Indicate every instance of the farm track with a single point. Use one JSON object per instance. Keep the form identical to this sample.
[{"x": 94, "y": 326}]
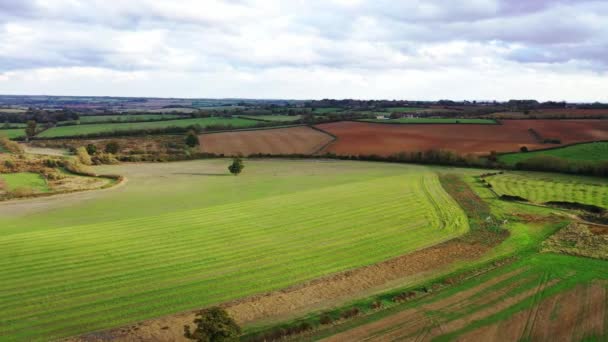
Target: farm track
[{"x": 112, "y": 273}]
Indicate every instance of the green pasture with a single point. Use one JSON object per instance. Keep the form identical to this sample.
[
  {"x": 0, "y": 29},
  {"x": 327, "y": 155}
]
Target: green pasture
[
  {"x": 126, "y": 117},
  {"x": 12, "y": 133},
  {"x": 79, "y": 130},
  {"x": 276, "y": 118},
  {"x": 540, "y": 187},
  {"x": 327, "y": 110},
  {"x": 24, "y": 180},
  {"x": 591, "y": 152},
  {"x": 434, "y": 121},
  {"x": 179, "y": 236}
]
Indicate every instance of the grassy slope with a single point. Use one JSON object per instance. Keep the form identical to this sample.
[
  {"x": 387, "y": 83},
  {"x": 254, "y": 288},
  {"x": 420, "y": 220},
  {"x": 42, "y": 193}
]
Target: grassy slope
[
  {"x": 127, "y": 118},
  {"x": 27, "y": 180},
  {"x": 592, "y": 152},
  {"x": 544, "y": 187},
  {"x": 66, "y": 131},
  {"x": 139, "y": 253},
  {"x": 434, "y": 121},
  {"x": 12, "y": 133}
]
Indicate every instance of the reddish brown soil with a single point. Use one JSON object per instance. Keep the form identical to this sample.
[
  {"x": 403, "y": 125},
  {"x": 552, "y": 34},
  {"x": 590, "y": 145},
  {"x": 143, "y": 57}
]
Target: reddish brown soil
[
  {"x": 314, "y": 295},
  {"x": 294, "y": 140},
  {"x": 359, "y": 138}
]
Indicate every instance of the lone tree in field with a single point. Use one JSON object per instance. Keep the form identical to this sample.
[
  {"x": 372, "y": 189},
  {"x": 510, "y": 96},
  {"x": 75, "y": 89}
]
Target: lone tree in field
[
  {"x": 213, "y": 325},
  {"x": 192, "y": 139},
  {"x": 237, "y": 166},
  {"x": 30, "y": 130}
]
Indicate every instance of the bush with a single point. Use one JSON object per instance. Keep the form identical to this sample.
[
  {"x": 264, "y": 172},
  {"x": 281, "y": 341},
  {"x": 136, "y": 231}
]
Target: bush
[
  {"x": 91, "y": 149},
  {"x": 213, "y": 324},
  {"x": 112, "y": 147},
  {"x": 83, "y": 156},
  {"x": 325, "y": 319},
  {"x": 523, "y": 149}
]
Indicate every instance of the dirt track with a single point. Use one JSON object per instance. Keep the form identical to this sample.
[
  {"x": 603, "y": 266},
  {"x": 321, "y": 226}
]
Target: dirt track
[
  {"x": 358, "y": 138},
  {"x": 294, "y": 140}
]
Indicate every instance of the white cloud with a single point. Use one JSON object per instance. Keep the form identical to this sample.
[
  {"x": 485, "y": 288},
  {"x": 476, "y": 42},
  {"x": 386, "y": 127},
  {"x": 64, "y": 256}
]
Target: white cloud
[{"x": 306, "y": 49}]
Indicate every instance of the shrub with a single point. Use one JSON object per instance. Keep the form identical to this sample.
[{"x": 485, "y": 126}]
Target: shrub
[
  {"x": 325, "y": 319},
  {"x": 192, "y": 139},
  {"x": 213, "y": 324},
  {"x": 236, "y": 167},
  {"x": 523, "y": 149},
  {"x": 112, "y": 147},
  {"x": 83, "y": 156},
  {"x": 350, "y": 313},
  {"x": 11, "y": 146},
  {"x": 91, "y": 149}
]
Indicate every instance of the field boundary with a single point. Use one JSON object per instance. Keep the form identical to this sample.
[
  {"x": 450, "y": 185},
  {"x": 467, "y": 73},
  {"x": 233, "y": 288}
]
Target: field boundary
[
  {"x": 329, "y": 143},
  {"x": 496, "y": 122},
  {"x": 500, "y": 154},
  {"x": 252, "y": 129}
]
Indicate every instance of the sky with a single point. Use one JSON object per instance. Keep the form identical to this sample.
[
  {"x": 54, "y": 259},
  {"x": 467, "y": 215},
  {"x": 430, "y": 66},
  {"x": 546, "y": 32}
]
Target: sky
[{"x": 307, "y": 49}]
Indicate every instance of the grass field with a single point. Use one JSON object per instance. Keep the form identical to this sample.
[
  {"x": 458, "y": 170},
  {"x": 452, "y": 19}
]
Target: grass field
[
  {"x": 126, "y": 118},
  {"x": 79, "y": 130},
  {"x": 179, "y": 236},
  {"x": 435, "y": 121},
  {"x": 405, "y": 109},
  {"x": 592, "y": 152},
  {"x": 24, "y": 180},
  {"x": 12, "y": 133},
  {"x": 326, "y": 110},
  {"x": 544, "y": 187},
  {"x": 280, "y": 118}
]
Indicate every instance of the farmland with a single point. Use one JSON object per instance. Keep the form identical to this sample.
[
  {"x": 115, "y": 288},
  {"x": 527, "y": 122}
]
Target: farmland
[
  {"x": 294, "y": 140},
  {"x": 359, "y": 138},
  {"x": 592, "y": 153},
  {"x": 24, "y": 180},
  {"x": 544, "y": 187},
  {"x": 83, "y": 130},
  {"x": 278, "y": 118},
  {"x": 434, "y": 121},
  {"x": 12, "y": 133},
  {"x": 533, "y": 299},
  {"x": 126, "y": 117},
  {"x": 139, "y": 254}
]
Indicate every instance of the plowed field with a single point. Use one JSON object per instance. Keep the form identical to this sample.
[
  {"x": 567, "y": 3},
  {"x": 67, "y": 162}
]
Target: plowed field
[
  {"x": 294, "y": 140},
  {"x": 357, "y": 138}
]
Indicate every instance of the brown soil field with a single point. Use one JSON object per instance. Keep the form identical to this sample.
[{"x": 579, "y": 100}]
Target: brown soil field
[
  {"x": 561, "y": 113},
  {"x": 359, "y": 138},
  {"x": 315, "y": 295},
  {"x": 573, "y": 316},
  {"x": 432, "y": 320},
  {"x": 293, "y": 140}
]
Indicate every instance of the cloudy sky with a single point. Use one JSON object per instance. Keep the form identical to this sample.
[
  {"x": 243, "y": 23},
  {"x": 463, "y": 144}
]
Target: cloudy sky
[{"x": 305, "y": 49}]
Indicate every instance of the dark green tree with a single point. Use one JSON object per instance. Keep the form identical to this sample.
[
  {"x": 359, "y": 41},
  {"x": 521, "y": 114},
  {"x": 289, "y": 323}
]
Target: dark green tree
[
  {"x": 91, "y": 149},
  {"x": 192, "y": 139},
  {"x": 237, "y": 166},
  {"x": 30, "y": 130},
  {"x": 112, "y": 147},
  {"x": 213, "y": 325}
]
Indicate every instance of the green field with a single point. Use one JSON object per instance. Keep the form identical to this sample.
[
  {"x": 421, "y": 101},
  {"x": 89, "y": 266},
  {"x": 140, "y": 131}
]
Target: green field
[
  {"x": 592, "y": 152},
  {"x": 126, "y": 117},
  {"x": 405, "y": 109},
  {"x": 183, "y": 235},
  {"x": 327, "y": 110},
  {"x": 544, "y": 187},
  {"x": 24, "y": 180},
  {"x": 12, "y": 133},
  {"x": 79, "y": 130},
  {"x": 434, "y": 121},
  {"x": 277, "y": 118}
]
